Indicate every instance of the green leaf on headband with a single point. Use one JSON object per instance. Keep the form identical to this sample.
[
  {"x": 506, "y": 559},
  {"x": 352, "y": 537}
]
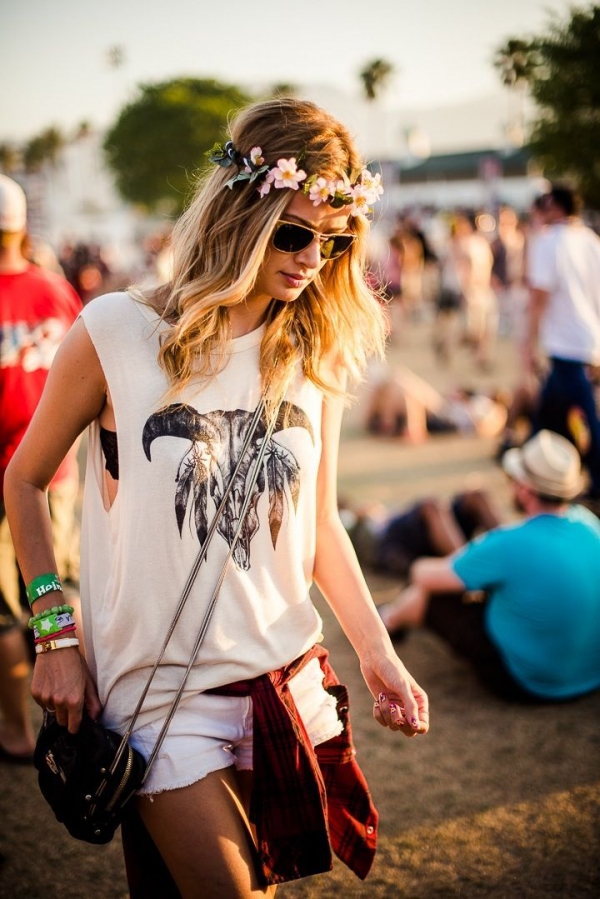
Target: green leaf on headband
[
  {"x": 339, "y": 199},
  {"x": 247, "y": 176}
]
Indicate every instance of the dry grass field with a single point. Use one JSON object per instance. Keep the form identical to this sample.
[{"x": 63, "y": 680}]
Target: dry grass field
[{"x": 497, "y": 801}]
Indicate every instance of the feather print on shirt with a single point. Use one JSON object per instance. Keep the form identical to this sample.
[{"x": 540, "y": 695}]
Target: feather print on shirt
[{"x": 216, "y": 439}]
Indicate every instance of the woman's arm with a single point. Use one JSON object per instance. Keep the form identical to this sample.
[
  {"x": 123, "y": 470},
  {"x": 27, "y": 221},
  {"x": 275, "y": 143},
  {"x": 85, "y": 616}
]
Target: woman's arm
[
  {"x": 400, "y": 701},
  {"x": 74, "y": 395}
]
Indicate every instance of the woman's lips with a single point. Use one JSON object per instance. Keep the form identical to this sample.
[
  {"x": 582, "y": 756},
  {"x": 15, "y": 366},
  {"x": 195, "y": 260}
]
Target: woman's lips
[{"x": 294, "y": 280}]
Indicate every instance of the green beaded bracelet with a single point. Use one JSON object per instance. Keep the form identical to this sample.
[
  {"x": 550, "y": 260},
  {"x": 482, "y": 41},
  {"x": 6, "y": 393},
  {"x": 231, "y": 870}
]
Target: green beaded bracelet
[
  {"x": 39, "y": 586},
  {"x": 55, "y": 610}
]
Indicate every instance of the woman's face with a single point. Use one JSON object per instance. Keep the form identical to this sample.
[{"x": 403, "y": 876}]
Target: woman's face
[{"x": 283, "y": 276}]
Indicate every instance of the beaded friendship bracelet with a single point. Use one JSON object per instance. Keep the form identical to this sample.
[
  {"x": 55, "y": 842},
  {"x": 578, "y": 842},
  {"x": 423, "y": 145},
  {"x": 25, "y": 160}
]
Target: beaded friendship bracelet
[
  {"x": 49, "y": 645},
  {"x": 45, "y": 583},
  {"x": 54, "y": 610}
]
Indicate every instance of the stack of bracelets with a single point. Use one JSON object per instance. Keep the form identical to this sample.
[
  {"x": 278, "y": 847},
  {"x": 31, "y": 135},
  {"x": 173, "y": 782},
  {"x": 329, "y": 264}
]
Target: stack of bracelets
[{"x": 54, "y": 628}]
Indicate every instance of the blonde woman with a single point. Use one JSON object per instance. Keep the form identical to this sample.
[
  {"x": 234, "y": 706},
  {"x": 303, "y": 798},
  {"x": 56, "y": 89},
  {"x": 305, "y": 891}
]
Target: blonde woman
[{"x": 267, "y": 297}]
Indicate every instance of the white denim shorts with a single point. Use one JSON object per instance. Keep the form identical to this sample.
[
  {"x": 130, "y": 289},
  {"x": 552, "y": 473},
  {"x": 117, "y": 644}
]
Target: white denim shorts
[{"x": 211, "y": 732}]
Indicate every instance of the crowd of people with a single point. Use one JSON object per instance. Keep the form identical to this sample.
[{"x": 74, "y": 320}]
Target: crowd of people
[
  {"x": 472, "y": 277},
  {"x": 465, "y": 271},
  {"x": 257, "y": 313}
]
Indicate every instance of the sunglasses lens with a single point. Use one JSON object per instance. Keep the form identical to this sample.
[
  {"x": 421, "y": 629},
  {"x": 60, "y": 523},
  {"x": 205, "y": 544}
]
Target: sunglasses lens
[
  {"x": 335, "y": 246},
  {"x": 289, "y": 238}
]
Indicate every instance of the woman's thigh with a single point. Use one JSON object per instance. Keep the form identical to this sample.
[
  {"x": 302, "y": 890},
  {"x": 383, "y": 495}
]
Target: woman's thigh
[{"x": 203, "y": 834}]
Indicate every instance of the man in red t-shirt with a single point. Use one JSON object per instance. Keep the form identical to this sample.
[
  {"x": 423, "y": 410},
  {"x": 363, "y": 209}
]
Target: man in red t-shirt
[{"x": 36, "y": 310}]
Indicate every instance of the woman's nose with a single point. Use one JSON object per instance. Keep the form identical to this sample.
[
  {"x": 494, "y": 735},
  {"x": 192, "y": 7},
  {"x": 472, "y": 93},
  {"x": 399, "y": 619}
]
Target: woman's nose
[{"x": 310, "y": 256}]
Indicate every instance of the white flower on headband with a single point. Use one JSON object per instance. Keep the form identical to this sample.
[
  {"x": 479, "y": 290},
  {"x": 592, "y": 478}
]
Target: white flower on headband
[
  {"x": 361, "y": 200},
  {"x": 256, "y": 157},
  {"x": 320, "y": 191},
  {"x": 373, "y": 185},
  {"x": 367, "y": 191}
]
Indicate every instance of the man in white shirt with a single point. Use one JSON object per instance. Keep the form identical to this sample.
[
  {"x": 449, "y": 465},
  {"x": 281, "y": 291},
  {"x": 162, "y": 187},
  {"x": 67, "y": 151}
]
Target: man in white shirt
[{"x": 564, "y": 280}]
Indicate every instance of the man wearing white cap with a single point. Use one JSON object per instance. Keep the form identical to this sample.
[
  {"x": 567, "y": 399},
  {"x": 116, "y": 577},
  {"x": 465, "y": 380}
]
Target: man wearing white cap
[
  {"x": 536, "y": 634},
  {"x": 36, "y": 310}
]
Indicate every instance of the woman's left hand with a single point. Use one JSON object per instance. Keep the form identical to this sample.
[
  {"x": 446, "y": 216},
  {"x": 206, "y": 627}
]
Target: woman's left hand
[{"x": 400, "y": 703}]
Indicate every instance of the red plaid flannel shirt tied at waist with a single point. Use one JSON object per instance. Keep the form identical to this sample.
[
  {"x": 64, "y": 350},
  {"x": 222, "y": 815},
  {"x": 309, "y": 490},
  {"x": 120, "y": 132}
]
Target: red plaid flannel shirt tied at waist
[{"x": 305, "y": 800}]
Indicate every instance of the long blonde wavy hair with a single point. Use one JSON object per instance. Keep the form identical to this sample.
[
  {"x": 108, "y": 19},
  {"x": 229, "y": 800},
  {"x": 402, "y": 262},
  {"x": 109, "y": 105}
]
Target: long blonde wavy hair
[{"x": 219, "y": 245}]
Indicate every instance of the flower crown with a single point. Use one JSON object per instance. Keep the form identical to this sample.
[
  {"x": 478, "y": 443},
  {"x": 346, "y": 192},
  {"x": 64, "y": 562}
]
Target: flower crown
[{"x": 360, "y": 196}]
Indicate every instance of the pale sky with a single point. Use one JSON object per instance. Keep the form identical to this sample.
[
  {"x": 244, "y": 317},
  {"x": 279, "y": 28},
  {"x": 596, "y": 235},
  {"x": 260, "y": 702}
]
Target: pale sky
[{"x": 54, "y": 53}]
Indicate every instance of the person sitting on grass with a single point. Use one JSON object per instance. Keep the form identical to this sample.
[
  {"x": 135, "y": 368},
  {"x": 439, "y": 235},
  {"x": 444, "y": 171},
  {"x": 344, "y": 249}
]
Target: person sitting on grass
[
  {"x": 407, "y": 406},
  {"x": 389, "y": 544},
  {"x": 535, "y": 637}
]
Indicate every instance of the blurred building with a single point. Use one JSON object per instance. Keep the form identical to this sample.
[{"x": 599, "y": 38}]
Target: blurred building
[
  {"x": 477, "y": 179},
  {"x": 74, "y": 199}
]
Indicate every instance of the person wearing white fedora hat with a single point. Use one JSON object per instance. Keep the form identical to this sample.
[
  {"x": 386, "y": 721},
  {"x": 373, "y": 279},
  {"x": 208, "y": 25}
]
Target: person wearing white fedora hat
[
  {"x": 534, "y": 636},
  {"x": 548, "y": 464}
]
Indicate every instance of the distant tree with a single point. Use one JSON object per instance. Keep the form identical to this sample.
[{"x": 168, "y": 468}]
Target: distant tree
[
  {"x": 284, "y": 89},
  {"x": 10, "y": 157},
  {"x": 159, "y": 139},
  {"x": 375, "y": 77},
  {"x": 562, "y": 69},
  {"x": 42, "y": 149}
]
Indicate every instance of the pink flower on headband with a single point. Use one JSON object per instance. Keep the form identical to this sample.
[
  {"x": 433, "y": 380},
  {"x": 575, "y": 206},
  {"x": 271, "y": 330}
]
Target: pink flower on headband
[
  {"x": 287, "y": 174},
  {"x": 265, "y": 187},
  {"x": 256, "y": 157}
]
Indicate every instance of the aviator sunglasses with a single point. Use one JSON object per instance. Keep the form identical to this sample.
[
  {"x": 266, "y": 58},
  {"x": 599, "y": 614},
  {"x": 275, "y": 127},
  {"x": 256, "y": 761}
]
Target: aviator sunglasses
[{"x": 288, "y": 237}]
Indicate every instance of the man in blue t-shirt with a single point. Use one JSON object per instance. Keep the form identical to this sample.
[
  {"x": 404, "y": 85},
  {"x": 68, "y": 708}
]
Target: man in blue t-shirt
[{"x": 536, "y": 634}]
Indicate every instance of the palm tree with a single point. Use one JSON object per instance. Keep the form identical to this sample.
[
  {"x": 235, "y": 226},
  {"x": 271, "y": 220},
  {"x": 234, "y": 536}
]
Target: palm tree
[
  {"x": 116, "y": 56},
  {"x": 375, "y": 77},
  {"x": 515, "y": 62}
]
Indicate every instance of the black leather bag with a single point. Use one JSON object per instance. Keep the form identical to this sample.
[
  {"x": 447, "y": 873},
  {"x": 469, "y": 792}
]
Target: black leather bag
[{"x": 84, "y": 779}]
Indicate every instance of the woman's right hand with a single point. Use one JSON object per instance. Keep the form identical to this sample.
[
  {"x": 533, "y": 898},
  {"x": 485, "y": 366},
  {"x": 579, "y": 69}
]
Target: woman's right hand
[{"x": 62, "y": 683}]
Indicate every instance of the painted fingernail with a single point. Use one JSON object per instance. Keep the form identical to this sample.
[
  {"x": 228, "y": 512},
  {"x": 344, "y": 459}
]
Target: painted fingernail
[
  {"x": 396, "y": 713},
  {"x": 376, "y": 703},
  {"x": 382, "y": 697},
  {"x": 414, "y": 722}
]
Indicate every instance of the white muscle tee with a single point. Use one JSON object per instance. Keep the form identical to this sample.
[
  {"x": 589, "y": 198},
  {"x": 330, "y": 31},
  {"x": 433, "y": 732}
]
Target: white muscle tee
[
  {"x": 564, "y": 261},
  {"x": 173, "y": 465}
]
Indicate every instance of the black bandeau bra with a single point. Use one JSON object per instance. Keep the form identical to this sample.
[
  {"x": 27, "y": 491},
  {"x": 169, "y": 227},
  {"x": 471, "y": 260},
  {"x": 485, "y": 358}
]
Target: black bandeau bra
[{"x": 110, "y": 448}]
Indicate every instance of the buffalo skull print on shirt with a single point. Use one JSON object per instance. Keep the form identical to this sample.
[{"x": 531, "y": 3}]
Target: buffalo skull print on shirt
[{"x": 217, "y": 439}]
